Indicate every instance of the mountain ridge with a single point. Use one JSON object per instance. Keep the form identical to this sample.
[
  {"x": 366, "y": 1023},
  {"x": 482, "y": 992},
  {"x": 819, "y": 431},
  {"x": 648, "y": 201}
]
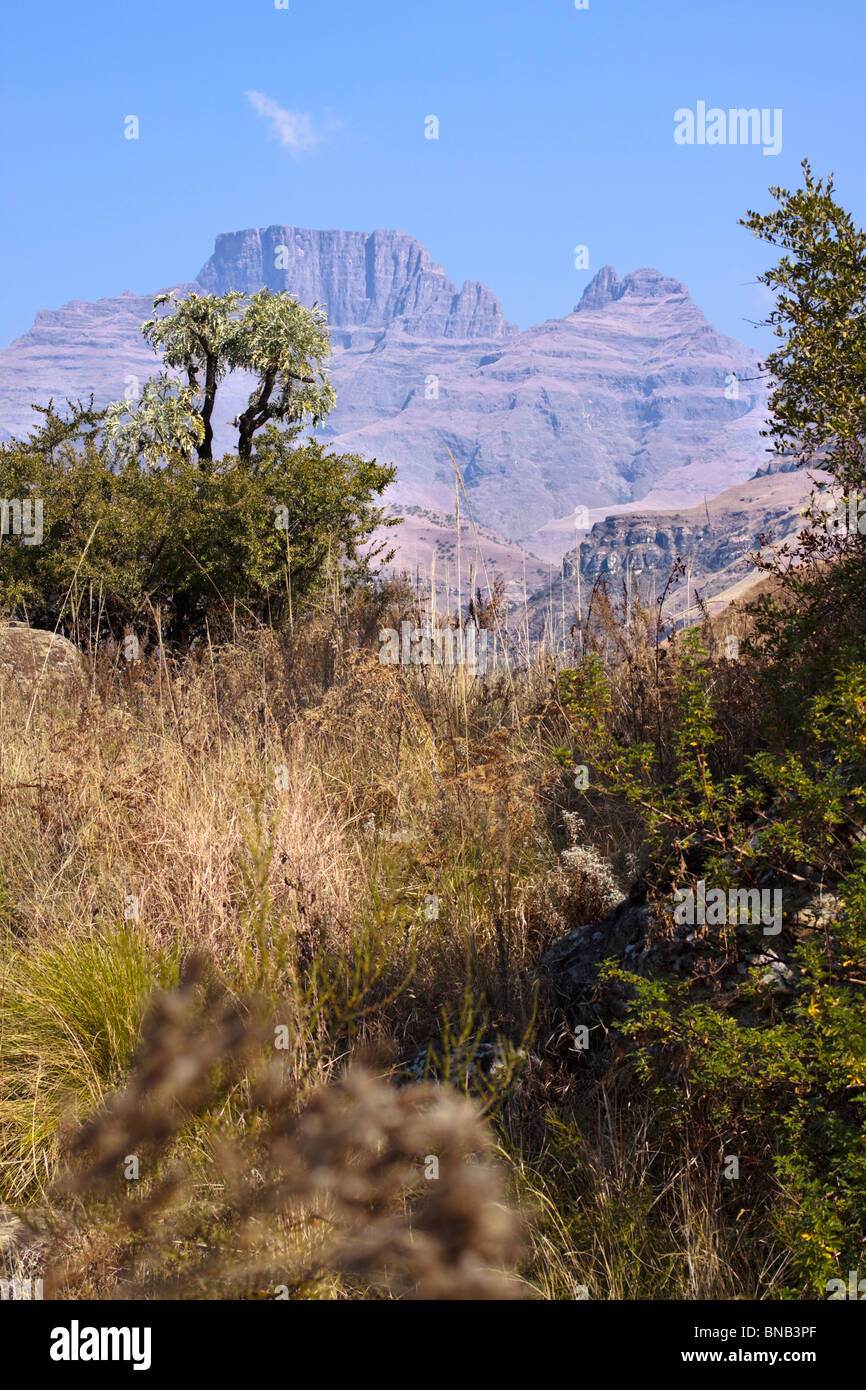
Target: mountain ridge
[{"x": 625, "y": 399}]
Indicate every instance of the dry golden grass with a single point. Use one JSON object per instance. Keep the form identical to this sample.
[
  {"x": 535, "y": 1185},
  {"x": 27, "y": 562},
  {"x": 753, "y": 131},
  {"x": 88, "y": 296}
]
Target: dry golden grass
[{"x": 373, "y": 854}]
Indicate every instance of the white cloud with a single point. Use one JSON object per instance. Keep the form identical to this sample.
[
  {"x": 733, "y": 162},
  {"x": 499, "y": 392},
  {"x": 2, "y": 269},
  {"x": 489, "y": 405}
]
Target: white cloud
[{"x": 293, "y": 129}]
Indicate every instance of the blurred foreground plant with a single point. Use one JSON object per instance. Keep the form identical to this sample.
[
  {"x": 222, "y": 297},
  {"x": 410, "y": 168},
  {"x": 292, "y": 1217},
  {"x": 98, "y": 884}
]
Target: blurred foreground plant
[{"x": 357, "y": 1179}]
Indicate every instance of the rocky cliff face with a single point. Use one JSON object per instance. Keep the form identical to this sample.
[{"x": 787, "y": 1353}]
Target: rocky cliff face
[
  {"x": 627, "y": 398},
  {"x": 713, "y": 540},
  {"x": 381, "y": 279},
  {"x": 606, "y": 288}
]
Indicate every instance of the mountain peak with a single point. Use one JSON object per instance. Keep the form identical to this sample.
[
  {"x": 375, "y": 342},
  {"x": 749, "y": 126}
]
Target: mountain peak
[
  {"x": 605, "y": 287},
  {"x": 651, "y": 284},
  {"x": 602, "y": 289}
]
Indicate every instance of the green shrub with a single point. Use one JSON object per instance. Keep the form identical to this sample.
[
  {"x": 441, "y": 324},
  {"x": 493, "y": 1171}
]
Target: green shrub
[{"x": 781, "y": 1084}]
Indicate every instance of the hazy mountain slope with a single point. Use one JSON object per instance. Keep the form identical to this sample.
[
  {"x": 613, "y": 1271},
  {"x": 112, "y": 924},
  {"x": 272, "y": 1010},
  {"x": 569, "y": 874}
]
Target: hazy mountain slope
[{"x": 622, "y": 400}]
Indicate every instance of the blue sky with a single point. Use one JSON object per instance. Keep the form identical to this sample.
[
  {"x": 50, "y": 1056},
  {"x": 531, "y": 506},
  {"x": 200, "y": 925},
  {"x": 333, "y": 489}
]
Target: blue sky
[{"x": 555, "y": 130}]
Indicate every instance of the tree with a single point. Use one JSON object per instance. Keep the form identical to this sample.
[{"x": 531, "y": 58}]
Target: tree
[
  {"x": 819, "y": 318},
  {"x": 818, "y": 404},
  {"x": 204, "y": 337},
  {"x": 139, "y": 516}
]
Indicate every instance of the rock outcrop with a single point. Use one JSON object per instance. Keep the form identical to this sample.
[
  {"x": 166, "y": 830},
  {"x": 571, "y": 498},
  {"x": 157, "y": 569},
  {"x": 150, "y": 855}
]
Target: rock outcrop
[
  {"x": 633, "y": 938},
  {"x": 30, "y": 656},
  {"x": 570, "y": 968},
  {"x": 714, "y": 540}
]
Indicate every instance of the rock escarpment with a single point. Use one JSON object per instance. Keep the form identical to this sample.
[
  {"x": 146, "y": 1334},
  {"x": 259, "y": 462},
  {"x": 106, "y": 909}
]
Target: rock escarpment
[{"x": 373, "y": 280}]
